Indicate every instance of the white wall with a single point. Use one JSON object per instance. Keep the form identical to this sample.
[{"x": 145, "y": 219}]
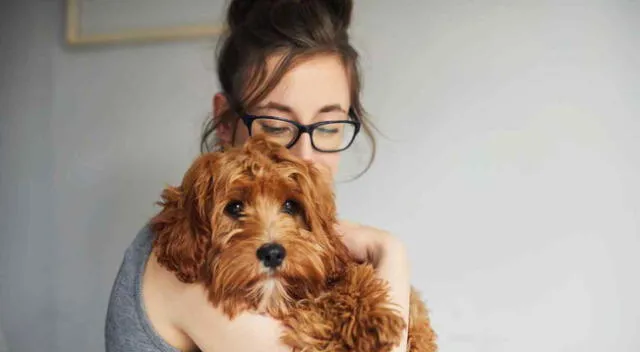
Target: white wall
[{"x": 509, "y": 166}]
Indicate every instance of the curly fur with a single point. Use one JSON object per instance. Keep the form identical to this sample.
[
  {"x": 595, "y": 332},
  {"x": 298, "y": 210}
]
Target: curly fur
[{"x": 327, "y": 301}]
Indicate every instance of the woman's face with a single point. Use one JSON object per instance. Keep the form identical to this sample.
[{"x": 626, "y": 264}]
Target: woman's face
[{"x": 316, "y": 89}]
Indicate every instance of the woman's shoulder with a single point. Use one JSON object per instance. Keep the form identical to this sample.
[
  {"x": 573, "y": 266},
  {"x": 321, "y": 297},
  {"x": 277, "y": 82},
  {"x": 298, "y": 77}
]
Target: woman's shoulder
[
  {"x": 127, "y": 326},
  {"x": 133, "y": 261},
  {"x": 141, "y": 243}
]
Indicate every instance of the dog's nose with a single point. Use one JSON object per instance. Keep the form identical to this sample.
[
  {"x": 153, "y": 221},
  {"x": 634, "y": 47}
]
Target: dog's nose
[{"x": 271, "y": 254}]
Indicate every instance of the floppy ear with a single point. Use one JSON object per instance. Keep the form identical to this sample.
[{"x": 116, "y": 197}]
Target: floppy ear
[
  {"x": 320, "y": 209},
  {"x": 183, "y": 228},
  {"x": 320, "y": 212}
]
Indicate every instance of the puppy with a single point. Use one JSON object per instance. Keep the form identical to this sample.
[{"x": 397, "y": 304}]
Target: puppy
[{"x": 255, "y": 225}]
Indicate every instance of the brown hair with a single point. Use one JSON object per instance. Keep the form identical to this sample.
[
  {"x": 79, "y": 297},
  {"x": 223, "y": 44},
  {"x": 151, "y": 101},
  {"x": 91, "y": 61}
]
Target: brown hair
[{"x": 293, "y": 30}]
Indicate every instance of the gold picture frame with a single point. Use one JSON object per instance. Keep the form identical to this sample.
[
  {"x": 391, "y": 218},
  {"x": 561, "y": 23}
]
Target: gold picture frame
[{"x": 75, "y": 36}]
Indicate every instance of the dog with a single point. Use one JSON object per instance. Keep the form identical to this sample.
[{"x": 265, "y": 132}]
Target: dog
[{"x": 255, "y": 225}]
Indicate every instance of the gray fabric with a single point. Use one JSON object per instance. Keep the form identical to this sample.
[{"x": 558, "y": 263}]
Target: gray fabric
[
  {"x": 3, "y": 344},
  {"x": 127, "y": 325}
]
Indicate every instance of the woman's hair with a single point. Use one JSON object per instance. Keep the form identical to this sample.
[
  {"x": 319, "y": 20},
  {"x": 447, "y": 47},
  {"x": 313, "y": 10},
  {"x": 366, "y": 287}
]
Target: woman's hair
[{"x": 293, "y": 30}]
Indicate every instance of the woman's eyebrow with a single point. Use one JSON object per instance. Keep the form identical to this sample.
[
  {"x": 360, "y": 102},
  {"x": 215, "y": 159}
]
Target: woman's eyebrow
[
  {"x": 331, "y": 108},
  {"x": 288, "y": 109},
  {"x": 277, "y": 107}
]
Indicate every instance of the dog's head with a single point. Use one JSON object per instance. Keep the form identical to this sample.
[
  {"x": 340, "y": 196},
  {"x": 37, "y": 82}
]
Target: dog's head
[{"x": 254, "y": 224}]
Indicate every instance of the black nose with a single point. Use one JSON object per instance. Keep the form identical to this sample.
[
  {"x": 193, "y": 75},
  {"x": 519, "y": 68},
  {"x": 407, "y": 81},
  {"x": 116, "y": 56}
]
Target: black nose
[{"x": 271, "y": 254}]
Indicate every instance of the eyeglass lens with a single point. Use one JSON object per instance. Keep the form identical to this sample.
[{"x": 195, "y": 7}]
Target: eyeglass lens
[{"x": 326, "y": 137}]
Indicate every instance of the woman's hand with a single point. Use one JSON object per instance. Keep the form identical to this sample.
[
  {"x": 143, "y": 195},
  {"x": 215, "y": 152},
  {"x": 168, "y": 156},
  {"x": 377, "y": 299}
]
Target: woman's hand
[{"x": 388, "y": 255}]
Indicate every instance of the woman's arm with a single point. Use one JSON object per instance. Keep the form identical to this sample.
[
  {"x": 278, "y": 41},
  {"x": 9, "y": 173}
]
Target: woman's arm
[
  {"x": 394, "y": 268},
  {"x": 184, "y": 317},
  {"x": 248, "y": 332}
]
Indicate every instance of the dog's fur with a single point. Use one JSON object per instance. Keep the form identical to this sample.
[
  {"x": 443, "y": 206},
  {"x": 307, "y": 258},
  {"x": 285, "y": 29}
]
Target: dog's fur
[{"x": 327, "y": 301}]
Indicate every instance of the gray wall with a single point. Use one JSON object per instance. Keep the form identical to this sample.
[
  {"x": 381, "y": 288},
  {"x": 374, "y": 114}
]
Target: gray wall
[{"x": 511, "y": 150}]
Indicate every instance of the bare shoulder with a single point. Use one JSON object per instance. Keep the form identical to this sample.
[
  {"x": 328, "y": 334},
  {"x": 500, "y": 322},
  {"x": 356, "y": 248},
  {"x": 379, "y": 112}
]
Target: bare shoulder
[{"x": 161, "y": 296}]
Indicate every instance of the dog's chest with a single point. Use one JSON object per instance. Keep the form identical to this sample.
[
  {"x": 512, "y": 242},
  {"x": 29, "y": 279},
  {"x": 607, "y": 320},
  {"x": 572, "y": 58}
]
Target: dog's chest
[{"x": 271, "y": 294}]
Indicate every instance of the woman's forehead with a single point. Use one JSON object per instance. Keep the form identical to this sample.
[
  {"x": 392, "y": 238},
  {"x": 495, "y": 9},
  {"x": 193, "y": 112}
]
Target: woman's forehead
[{"x": 316, "y": 85}]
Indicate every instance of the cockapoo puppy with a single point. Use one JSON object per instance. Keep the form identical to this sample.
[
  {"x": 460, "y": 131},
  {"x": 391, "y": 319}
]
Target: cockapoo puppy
[{"x": 255, "y": 225}]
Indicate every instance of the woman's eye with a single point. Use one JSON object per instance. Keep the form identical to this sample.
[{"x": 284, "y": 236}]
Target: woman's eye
[
  {"x": 234, "y": 209},
  {"x": 328, "y": 130},
  {"x": 274, "y": 129},
  {"x": 291, "y": 207}
]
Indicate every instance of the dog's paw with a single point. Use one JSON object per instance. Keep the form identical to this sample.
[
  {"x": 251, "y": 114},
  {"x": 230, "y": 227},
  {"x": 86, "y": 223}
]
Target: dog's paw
[
  {"x": 308, "y": 330},
  {"x": 369, "y": 321},
  {"x": 422, "y": 337},
  {"x": 354, "y": 315}
]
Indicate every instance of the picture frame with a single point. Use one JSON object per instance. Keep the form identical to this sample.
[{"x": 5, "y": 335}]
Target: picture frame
[{"x": 79, "y": 13}]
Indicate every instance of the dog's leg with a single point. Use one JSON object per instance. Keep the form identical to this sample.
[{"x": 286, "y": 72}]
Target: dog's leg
[
  {"x": 354, "y": 315},
  {"x": 422, "y": 338}
]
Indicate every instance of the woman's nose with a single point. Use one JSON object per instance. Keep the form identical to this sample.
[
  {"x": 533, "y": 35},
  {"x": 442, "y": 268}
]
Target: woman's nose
[{"x": 303, "y": 148}]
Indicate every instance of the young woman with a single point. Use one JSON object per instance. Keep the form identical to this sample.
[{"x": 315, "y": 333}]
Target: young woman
[{"x": 290, "y": 62}]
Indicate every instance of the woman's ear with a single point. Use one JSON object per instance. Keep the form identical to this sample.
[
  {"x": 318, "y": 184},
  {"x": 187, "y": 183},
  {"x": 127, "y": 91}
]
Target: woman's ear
[
  {"x": 183, "y": 228},
  {"x": 224, "y": 130}
]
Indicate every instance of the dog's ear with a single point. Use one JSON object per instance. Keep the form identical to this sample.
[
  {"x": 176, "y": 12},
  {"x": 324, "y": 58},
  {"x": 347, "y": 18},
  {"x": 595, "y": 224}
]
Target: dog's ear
[
  {"x": 320, "y": 211},
  {"x": 183, "y": 227},
  {"x": 318, "y": 198}
]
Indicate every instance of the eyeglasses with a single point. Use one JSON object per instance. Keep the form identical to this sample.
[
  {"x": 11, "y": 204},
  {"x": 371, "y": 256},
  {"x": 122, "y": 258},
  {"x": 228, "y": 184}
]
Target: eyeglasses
[{"x": 326, "y": 136}]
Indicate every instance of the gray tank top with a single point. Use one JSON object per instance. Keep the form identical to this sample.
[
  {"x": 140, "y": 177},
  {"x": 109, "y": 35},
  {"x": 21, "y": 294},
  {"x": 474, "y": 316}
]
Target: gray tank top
[{"x": 127, "y": 325}]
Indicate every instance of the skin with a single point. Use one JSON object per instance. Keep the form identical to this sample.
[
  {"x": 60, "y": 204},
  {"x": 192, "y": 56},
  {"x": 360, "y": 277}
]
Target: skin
[{"x": 315, "y": 90}]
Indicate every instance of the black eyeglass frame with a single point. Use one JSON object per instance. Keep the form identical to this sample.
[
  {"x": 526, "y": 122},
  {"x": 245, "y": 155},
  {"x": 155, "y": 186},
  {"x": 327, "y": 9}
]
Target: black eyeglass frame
[{"x": 248, "y": 120}]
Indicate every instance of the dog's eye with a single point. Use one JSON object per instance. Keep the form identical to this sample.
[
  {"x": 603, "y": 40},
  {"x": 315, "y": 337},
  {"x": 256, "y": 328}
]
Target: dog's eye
[
  {"x": 291, "y": 207},
  {"x": 234, "y": 209}
]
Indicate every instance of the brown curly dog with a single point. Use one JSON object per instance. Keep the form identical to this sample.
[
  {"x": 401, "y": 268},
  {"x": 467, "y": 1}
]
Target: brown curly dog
[{"x": 255, "y": 225}]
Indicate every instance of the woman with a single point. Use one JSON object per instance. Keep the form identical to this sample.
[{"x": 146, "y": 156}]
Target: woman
[{"x": 292, "y": 61}]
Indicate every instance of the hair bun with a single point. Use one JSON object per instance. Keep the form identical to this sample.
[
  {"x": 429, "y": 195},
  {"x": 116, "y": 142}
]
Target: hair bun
[
  {"x": 340, "y": 10},
  {"x": 241, "y": 12}
]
